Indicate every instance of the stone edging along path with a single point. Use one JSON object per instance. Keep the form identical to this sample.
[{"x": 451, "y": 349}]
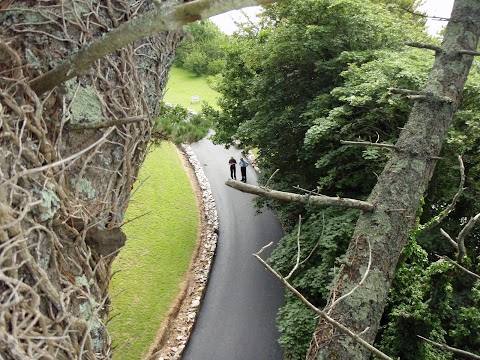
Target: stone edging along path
[{"x": 176, "y": 328}]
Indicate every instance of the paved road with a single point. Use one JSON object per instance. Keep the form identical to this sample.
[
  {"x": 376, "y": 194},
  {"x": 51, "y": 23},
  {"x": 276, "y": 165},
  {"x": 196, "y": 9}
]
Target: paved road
[{"x": 237, "y": 317}]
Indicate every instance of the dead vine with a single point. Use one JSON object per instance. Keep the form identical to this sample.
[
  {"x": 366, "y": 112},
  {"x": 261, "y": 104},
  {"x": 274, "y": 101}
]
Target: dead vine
[{"x": 64, "y": 181}]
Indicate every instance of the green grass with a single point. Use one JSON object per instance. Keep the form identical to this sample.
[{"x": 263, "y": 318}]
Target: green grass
[
  {"x": 159, "y": 247},
  {"x": 157, "y": 253},
  {"x": 182, "y": 85}
]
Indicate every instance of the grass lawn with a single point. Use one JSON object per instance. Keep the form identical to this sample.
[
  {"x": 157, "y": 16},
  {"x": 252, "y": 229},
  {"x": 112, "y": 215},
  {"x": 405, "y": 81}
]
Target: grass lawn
[
  {"x": 159, "y": 246},
  {"x": 182, "y": 85},
  {"x": 157, "y": 253}
]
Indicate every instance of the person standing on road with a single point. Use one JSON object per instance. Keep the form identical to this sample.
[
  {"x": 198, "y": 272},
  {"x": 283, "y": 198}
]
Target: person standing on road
[
  {"x": 233, "y": 168},
  {"x": 243, "y": 169}
]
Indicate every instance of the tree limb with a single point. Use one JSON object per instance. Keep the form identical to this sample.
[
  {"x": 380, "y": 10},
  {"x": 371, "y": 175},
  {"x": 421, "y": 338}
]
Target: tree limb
[
  {"x": 319, "y": 200},
  {"x": 443, "y": 214},
  {"x": 460, "y": 267},
  {"x": 450, "y": 349},
  {"x": 424, "y": 46},
  {"x": 163, "y": 18},
  {"x": 323, "y": 314},
  {"x": 463, "y": 234},
  {"x": 366, "y": 143},
  {"x": 469, "y": 52},
  {"x": 449, "y": 238},
  {"x": 107, "y": 123}
]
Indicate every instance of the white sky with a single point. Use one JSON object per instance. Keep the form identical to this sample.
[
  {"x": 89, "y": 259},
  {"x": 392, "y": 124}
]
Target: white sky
[{"x": 439, "y": 8}]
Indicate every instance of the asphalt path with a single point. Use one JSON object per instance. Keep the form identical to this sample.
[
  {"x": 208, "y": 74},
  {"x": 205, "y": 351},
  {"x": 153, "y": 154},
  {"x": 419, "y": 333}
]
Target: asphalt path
[{"x": 237, "y": 316}]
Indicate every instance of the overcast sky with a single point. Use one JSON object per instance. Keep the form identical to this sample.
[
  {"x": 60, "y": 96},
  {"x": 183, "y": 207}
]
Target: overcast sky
[{"x": 439, "y": 8}]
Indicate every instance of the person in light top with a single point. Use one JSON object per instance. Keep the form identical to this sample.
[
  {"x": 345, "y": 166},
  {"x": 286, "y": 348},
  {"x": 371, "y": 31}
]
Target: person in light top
[{"x": 243, "y": 169}]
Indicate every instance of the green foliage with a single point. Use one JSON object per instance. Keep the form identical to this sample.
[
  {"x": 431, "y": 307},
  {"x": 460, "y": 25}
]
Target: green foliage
[
  {"x": 202, "y": 50},
  {"x": 179, "y": 125},
  {"x": 157, "y": 254},
  {"x": 332, "y": 230},
  {"x": 296, "y": 323},
  {"x": 319, "y": 72}
]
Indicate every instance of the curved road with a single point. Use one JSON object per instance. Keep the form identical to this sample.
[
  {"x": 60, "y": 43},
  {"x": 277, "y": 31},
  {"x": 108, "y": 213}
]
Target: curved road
[{"x": 237, "y": 317}]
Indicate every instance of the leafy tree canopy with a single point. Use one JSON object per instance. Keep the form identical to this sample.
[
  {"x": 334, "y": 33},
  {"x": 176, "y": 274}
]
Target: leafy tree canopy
[
  {"x": 202, "y": 50},
  {"x": 319, "y": 72}
]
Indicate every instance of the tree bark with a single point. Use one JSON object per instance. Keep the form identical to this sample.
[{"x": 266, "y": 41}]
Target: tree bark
[
  {"x": 64, "y": 192},
  {"x": 401, "y": 185}
]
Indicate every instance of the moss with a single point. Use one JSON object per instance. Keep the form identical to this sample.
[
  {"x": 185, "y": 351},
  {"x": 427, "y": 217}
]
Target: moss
[
  {"x": 82, "y": 281},
  {"x": 418, "y": 166},
  {"x": 89, "y": 312},
  {"x": 84, "y": 187},
  {"x": 86, "y": 107},
  {"x": 367, "y": 295},
  {"x": 50, "y": 202}
]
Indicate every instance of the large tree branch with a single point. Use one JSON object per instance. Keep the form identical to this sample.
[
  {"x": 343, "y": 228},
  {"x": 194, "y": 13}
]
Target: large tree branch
[
  {"x": 319, "y": 200},
  {"x": 356, "y": 337},
  {"x": 164, "y": 18},
  {"x": 450, "y": 349}
]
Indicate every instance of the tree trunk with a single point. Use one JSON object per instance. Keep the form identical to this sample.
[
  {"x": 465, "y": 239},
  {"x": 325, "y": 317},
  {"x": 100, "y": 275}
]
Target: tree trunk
[
  {"x": 383, "y": 233},
  {"x": 61, "y": 207}
]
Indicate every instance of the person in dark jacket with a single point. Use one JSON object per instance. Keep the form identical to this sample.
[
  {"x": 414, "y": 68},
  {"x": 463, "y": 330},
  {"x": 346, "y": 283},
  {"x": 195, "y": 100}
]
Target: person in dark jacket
[
  {"x": 233, "y": 168},
  {"x": 243, "y": 169}
]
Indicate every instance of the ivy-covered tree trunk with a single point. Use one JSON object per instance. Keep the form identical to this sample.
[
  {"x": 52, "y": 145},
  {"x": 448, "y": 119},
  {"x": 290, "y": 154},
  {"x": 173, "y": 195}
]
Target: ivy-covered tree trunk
[
  {"x": 68, "y": 162},
  {"x": 380, "y": 235}
]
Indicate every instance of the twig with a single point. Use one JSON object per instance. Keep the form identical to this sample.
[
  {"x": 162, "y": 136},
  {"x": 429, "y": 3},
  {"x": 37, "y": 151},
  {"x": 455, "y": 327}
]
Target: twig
[
  {"x": 460, "y": 267},
  {"x": 424, "y": 46},
  {"x": 469, "y": 52},
  {"x": 319, "y": 200},
  {"x": 332, "y": 305},
  {"x": 449, "y": 238},
  {"x": 67, "y": 159},
  {"x": 311, "y": 252},
  {"x": 298, "y": 248},
  {"x": 108, "y": 123},
  {"x": 440, "y": 217},
  {"x": 404, "y": 91},
  {"x": 321, "y": 313},
  {"x": 135, "y": 218},
  {"x": 367, "y": 143},
  {"x": 463, "y": 234},
  {"x": 271, "y": 177},
  {"x": 450, "y": 349}
]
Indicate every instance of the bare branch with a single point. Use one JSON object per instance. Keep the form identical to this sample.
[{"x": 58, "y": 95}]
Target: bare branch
[
  {"x": 366, "y": 143},
  {"x": 424, "y": 46},
  {"x": 440, "y": 217},
  {"x": 107, "y": 123},
  {"x": 460, "y": 267},
  {"x": 332, "y": 305},
  {"x": 161, "y": 19},
  {"x": 271, "y": 177},
  {"x": 323, "y": 314},
  {"x": 319, "y": 200},
  {"x": 416, "y": 97},
  {"x": 298, "y": 248},
  {"x": 469, "y": 52},
  {"x": 450, "y": 349},
  {"x": 404, "y": 91},
  {"x": 67, "y": 159},
  {"x": 449, "y": 238},
  {"x": 463, "y": 234}
]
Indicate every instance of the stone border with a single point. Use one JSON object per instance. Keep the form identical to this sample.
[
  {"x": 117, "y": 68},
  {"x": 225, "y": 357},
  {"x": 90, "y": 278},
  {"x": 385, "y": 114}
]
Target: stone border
[{"x": 175, "y": 332}]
